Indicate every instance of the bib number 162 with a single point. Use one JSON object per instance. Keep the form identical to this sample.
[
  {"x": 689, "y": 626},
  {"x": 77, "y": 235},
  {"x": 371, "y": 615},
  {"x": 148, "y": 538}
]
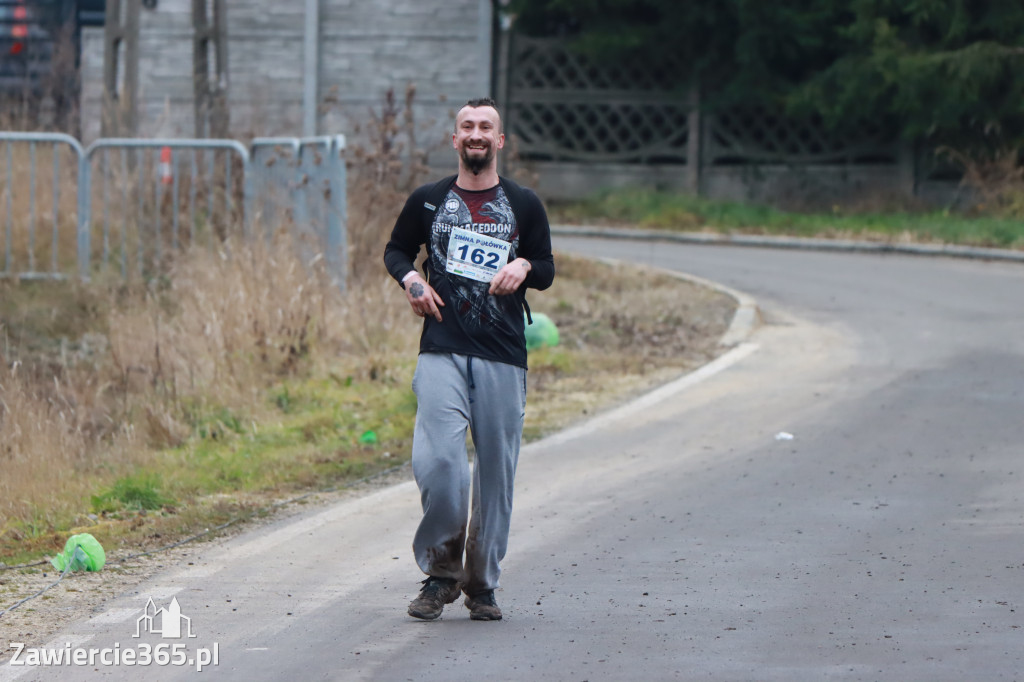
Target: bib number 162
[{"x": 478, "y": 256}]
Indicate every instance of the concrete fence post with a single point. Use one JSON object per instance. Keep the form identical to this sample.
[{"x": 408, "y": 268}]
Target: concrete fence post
[
  {"x": 906, "y": 159},
  {"x": 694, "y": 137},
  {"x": 120, "y": 55}
]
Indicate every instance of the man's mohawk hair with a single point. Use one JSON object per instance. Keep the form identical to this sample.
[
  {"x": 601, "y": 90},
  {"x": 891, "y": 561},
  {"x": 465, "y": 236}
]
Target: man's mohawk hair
[{"x": 482, "y": 102}]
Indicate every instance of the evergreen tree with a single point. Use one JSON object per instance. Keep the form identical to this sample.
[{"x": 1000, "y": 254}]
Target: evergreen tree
[{"x": 946, "y": 70}]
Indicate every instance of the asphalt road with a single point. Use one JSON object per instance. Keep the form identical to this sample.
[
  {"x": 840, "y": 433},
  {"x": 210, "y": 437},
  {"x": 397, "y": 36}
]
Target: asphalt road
[{"x": 680, "y": 539}]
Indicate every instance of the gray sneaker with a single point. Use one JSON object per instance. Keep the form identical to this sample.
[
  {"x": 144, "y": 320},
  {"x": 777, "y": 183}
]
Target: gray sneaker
[
  {"x": 435, "y": 593},
  {"x": 483, "y": 607}
]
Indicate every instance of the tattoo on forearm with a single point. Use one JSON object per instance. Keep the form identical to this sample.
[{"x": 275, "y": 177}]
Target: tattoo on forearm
[{"x": 416, "y": 290}]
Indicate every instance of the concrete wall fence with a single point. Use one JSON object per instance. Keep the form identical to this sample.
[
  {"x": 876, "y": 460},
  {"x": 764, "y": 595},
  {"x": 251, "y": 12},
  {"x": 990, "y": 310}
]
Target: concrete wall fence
[
  {"x": 318, "y": 67},
  {"x": 359, "y": 50}
]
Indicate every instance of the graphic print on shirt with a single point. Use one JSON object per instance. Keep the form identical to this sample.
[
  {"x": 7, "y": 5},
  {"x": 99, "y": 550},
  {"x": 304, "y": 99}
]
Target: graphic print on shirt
[{"x": 489, "y": 213}]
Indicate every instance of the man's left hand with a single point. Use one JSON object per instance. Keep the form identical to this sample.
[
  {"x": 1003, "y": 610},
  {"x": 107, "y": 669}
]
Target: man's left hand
[{"x": 510, "y": 277}]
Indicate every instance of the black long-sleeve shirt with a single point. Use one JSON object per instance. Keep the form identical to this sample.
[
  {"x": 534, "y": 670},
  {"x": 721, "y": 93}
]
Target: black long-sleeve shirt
[{"x": 474, "y": 322}]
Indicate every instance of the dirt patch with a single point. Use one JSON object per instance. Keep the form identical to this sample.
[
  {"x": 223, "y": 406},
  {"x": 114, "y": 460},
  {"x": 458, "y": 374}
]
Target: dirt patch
[{"x": 624, "y": 330}]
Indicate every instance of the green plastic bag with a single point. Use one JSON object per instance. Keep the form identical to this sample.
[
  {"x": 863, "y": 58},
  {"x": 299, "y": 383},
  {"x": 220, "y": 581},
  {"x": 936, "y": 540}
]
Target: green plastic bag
[
  {"x": 542, "y": 332},
  {"x": 82, "y": 552}
]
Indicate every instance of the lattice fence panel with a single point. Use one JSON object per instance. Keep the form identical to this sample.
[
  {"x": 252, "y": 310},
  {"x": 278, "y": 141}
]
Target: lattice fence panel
[
  {"x": 564, "y": 106},
  {"x": 600, "y": 132},
  {"x": 752, "y": 135}
]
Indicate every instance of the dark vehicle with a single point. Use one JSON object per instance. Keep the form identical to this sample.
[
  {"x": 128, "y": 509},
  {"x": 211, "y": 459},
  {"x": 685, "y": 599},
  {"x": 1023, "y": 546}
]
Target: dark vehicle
[{"x": 40, "y": 48}]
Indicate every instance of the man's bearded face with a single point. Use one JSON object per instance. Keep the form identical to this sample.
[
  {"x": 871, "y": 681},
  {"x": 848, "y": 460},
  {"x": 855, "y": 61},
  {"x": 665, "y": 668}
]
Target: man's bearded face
[{"x": 478, "y": 137}]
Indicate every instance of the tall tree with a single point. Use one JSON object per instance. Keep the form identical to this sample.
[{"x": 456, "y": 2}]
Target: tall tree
[{"x": 947, "y": 70}]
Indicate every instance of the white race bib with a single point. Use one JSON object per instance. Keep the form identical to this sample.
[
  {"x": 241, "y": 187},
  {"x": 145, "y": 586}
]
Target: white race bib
[{"x": 475, "y": 255}]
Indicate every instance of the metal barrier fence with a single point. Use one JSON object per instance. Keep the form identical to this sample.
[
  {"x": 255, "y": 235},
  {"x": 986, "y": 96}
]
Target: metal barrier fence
[
  {"x": 35, "y": 203},
  {"x": 130, "y": 203},
  {"x": 303, "y": 180},
  {"x": 151, "y": 196}
]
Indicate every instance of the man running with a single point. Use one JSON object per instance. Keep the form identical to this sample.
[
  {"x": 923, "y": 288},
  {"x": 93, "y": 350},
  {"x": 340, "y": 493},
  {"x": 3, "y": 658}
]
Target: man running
[{"x": 487, "y": 240}]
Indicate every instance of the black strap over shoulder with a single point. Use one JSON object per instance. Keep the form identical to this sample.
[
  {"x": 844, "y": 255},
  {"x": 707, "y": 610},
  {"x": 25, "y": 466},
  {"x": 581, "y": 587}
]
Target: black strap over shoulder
[
  {"x": 435, "y": 196},
  {"x": 516, "y": 198},
  {"x": 517, "y": 201}
]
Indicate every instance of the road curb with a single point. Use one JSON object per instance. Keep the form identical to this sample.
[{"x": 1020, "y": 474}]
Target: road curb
[{"x": 805, "y": 243}]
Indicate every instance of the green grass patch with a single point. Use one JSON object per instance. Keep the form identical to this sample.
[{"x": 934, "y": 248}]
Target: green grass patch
[
  {"x": 138, "y": 492},
  {"x": 552, "y": 359},
  {"x": 312, "y": 436},
  {"x": 680, "y": 212}
]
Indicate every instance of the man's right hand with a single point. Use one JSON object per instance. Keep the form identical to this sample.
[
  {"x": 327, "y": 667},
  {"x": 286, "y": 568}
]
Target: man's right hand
[{"x": 422, "y": 297}]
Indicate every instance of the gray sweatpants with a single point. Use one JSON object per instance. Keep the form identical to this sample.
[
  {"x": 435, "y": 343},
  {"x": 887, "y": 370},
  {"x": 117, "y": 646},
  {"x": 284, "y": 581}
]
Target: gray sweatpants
[{"x": 456, "y": 392}]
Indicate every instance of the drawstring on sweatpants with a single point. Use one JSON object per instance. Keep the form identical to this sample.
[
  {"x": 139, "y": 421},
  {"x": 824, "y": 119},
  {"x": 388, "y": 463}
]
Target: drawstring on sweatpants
[{"x": 469, "y": 372}]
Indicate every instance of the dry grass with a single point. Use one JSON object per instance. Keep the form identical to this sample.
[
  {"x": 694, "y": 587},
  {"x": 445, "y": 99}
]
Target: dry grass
[
  {"x": 623, "y": 329},
  {"x": 242, "y": 373},
  {"x": 146, "y": 365},
  {"x": 42, "y": 448},
  {"x": 137, "y": 392},
  {"x": 38, "y": 188},
  {"x": 101, "y": 380}
]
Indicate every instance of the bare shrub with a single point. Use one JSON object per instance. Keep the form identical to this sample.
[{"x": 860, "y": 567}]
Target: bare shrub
[
  {"x": 62, "y": 83},
  {"x": 996, "y": 176},
  {"x": 382, "y": 172}
]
